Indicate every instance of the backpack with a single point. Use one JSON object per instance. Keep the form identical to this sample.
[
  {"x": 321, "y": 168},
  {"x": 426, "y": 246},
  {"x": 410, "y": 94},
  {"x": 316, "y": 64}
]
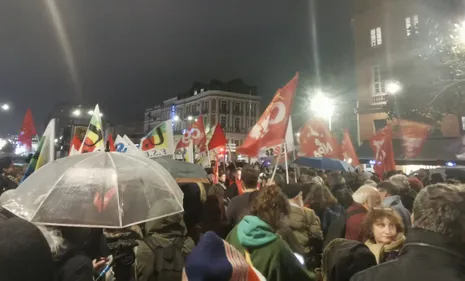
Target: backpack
[
  {"x": 337, "y": 228},
  {"x": 168, "y": 261}
]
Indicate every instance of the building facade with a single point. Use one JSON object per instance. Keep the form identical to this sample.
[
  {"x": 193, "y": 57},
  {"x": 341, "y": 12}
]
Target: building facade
[
  {"x": 237, "y": 111},
  {"x": 384, "y": 33}
]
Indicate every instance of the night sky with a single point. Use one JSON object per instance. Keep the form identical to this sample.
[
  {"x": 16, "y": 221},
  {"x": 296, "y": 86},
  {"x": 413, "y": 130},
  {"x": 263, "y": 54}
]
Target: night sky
[{"x": 130, "y": 55}]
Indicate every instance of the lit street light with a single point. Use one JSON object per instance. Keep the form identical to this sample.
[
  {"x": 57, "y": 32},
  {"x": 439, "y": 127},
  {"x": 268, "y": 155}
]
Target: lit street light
[
  {"x": 393, "y": 87},
  {"x": 190, "y": 118},
  {"x": 461, "y": 31},
  {"x": 5, "y": 107},
  {"x": 77, "y": 112},
  {"x": 176, "y": 118},
  {"x": 323, "y": 107},
  {"x": 90, "y": 112}
]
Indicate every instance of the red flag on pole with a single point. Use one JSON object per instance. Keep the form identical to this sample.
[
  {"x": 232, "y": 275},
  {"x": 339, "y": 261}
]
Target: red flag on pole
[
  {"x": 111, "y": 142},
  {"x": 316, "y": 140},
  {"x": 196, "y": 132},
  {"x": 381, "y": 143},
  {"x": 74, "y": 146},
  {"x": 270, "y": 129},
  {"x": 347, "y": 150},
  {"x": 218, "y": 138},
  {"x": 414, "y": 135},
  {"x": 28, "y": 130}
]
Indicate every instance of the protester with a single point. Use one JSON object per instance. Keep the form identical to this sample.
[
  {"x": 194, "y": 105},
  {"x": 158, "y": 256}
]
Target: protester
[
  {"x": 166, "y": 237},
  {"x": 215, "y": 259},
  {"x": 326, "y": 207},
  {"x": 25, "y": 254},
  {"x": 390, "y": 198},
  {"x": 436, "y": 178},
  {"x": 384, "y": 232},
  {"x": 255, "y": 237},
  {"x": 415, "y": 184},
  {"x": 343, "y": 258},
  {"x": 407, "y": 194},
  {"x": 305, "y": 225},
  {"x": 435, "y": 245},
  {"x": 365, "y": 198},
  {"x": 8, "y": 178},
  {"x": 240, "y": 205},
  {"x": 235, "y": 185}
]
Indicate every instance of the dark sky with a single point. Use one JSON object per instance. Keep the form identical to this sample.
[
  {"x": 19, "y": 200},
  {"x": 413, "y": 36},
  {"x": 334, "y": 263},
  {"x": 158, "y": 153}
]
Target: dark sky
[{"x": 130, "y": 55}]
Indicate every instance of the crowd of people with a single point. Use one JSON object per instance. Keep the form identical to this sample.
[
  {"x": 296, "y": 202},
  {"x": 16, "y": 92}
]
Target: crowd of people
[{"x": 327, "y": 226}]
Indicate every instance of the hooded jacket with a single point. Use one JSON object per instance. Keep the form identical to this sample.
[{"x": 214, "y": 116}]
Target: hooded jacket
[
  {"x": 165, "y": 231},
  {"x": 395, "y": 203},
  {"x": 306, "y": 226},
  {"x": 268, "y": 253}
]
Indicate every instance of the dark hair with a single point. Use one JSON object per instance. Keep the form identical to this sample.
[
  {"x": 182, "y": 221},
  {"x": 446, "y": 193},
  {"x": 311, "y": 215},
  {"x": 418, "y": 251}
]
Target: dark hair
[
  {"x": 441, "y": 208},
  {"x": 5, "y": 163},
  {"x": 377, "y": 214},
  {"x": 319, "y": 197},
  {"x": 389, "y": 187},
  {"x": 436, "y": 178},
  {"x": 344, "y": 197},
  {"x": 249, "y": 177},
  {"x": 271, "y": 205}
]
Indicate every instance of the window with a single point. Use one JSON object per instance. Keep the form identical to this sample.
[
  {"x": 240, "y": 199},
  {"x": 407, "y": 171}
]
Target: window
[
  {"x": 237, "y": 107},
  {"x": 463, "y": 123},
  {"x": 411, "y": 25},
  {"x": 180, "y": 113},
  {"x": 254, "y": 109},
  {"x": 205, "y": 105},
  {"x": 376, "y": 37},
  {"x": 252, "y": 123},
  {"x": 224, "y": 106},
  {"x": 213, "y": 120},
  {"x": 237, "y": 123},
  {"x": 213, "y": 105},
  {"x": 205, "y": 121},
  {"x": 378, "y": 82},
  {"x": 379, "y": 124},
  {"x": 223, "y": 121}
]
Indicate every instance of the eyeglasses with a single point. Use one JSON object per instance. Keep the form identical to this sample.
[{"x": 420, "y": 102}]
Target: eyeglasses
[{"x": 386, "y": 209}]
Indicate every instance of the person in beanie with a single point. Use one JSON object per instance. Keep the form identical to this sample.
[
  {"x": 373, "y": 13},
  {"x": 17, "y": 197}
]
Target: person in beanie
[
  {"x": 255, "y": 237},
  {"x": 343, "y": 258},
  {"x": 215, "y": 259},
  {"x": 25, "y": 254},
  {"x": 391, "y": 199},
  {"x": 305, "y": 224}
]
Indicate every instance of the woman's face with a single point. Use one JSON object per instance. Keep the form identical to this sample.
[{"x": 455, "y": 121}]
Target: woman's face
[
  {"x": 384, "y": 231},
  {"x": 222, "y": 178}
]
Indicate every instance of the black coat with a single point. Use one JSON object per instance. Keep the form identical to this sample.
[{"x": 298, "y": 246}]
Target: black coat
[{"x": 426, "y": 256}]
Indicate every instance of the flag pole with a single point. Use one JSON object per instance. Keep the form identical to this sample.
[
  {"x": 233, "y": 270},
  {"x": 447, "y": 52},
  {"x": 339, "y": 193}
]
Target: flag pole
[
  {"x": 230, "y": 155},
  {"x": 276, "y": 166},
  {"x": 285, "y": 162}
]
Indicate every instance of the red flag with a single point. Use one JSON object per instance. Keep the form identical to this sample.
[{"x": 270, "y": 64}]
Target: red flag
[
  {"x": 111, "y": 142},
  {"x": 218, "y": 138},
  {"x": 347, "y": 150},
  {"x": 316, "y": 140},
  {"x": 196, "y": 133},
  {"x": 28, "y": 130},
  {"x": 381, "y": 143},
  {"x": 414, "y": 135},
  {"x": 270, "y": 129},
  {"x": 75, "y": 145}
]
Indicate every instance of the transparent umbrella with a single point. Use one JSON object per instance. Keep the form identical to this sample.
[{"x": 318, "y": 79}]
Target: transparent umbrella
[{"x": 99, "y": 189}]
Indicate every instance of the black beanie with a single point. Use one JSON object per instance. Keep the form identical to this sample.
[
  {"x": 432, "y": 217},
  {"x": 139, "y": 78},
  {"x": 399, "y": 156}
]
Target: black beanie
[{"x": 25, "y": 254}]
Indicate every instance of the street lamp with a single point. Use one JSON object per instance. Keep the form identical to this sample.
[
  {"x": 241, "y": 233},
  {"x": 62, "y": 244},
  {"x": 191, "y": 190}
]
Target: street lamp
[
  {"x": 5, "y": 107},
  {"x": 460, "y": 27},
  {"x": 176, "y": 118},
  {"x": 77, "y": 112},
  {"x": 190, "y": 118},
  {"x": 393, "y": 87},
  {"x": 323, "y": 107}
]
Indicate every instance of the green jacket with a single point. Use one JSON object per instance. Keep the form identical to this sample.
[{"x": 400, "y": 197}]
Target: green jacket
[
  {"x": 165, "y": 230},
  {"x": 269, "y": 254},
  {"x": 306, "y": 225}
]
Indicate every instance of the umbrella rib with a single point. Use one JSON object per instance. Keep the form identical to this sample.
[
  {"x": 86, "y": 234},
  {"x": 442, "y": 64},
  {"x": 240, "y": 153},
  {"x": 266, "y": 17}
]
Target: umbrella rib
[
  {"x": 117, "y": 192},
  {"x": 55, "y": 184}
]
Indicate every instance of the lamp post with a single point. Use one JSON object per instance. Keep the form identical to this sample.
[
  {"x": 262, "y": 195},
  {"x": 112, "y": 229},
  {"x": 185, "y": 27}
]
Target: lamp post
[
  {"x": 393, "y": 87},
  {"x": 323, "y": 106},
  {"x": 5, "y": 107}
]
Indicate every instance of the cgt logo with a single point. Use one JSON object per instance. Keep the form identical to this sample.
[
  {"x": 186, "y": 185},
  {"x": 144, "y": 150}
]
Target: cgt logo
[
  {"x": 275, "y": 115},
  {"x": 193, "y": 133}
]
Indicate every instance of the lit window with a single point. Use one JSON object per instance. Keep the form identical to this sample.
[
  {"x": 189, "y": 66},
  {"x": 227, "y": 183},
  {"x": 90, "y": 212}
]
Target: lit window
[
  {"x": 411, "y": 25},
  {"x": 376, "y": 37},
  {"x": 378, "y": 81}
]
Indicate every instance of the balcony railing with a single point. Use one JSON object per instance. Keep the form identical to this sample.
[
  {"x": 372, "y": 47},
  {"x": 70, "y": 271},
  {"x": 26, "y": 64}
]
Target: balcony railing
[{"x": 379, "y": 99}]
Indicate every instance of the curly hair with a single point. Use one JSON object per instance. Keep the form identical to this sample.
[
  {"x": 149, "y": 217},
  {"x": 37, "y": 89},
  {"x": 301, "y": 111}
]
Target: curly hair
[
  {"x": 271, "y": 205},
  {"x": 319, "y": 197},
  {"x": 377, "y": 214}
]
